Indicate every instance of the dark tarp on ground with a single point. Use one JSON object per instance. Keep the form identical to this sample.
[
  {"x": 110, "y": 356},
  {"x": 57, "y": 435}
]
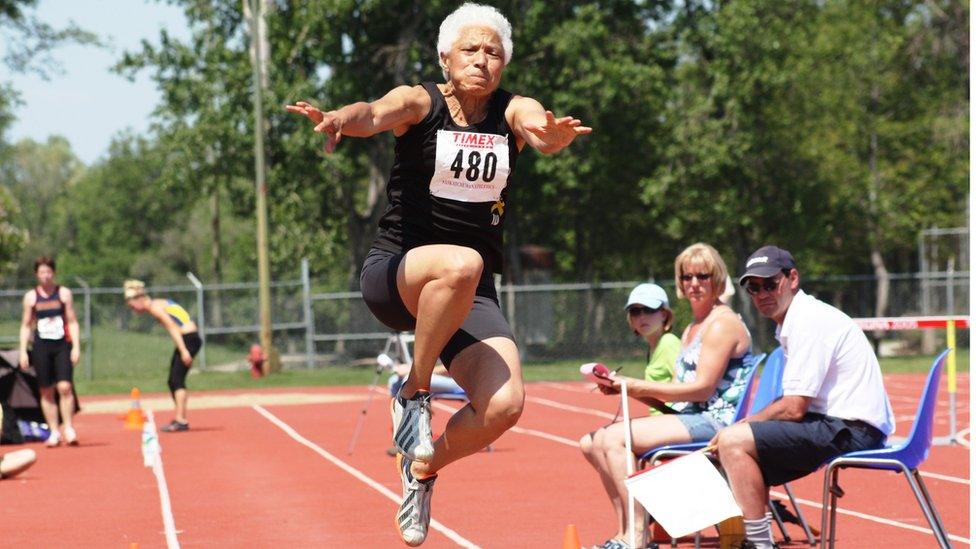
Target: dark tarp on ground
[{"x": 19, "y": 395}]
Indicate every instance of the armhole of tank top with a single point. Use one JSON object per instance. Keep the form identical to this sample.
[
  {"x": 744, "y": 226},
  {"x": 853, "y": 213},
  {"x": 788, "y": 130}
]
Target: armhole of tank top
[{"x": 435, "y": 99}]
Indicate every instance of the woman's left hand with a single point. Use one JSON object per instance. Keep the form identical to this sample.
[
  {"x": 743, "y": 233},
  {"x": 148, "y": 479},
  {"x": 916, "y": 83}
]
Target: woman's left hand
[{"x": 557, "y": 133}]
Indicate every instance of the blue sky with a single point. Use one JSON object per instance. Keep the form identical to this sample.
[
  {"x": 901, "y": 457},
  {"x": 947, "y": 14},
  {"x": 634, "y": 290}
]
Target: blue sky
[{"x": 88, "y": 104}]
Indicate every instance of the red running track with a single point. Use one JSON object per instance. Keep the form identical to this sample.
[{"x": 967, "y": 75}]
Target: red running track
[{"x": 239, "y": 479}]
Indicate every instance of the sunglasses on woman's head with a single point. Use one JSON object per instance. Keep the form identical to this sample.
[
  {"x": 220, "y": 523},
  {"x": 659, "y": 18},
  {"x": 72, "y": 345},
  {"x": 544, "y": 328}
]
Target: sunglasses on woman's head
[
  {"x": 700, "y": 276},
  {"x": 634, "y": 311},
  {"x": 769, "y": 285}
]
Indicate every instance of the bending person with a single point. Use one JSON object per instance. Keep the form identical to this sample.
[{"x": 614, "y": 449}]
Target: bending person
[
  {"x": 440, "y": 239},
  {"x": 49, "y": 319},
  {"x": 709, "y": 381},
  {"x": 183, "y": 331}
]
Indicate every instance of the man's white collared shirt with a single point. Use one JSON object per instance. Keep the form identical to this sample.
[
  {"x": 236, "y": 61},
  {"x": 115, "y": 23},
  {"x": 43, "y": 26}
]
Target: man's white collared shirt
[{"x": 829, "y": 359}]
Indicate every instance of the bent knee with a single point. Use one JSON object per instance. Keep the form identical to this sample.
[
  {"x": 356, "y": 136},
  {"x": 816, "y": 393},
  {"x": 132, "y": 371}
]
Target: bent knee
[
  {"x": 504, "y": 410},
  {"x": 736, "y": 438},
  {"x": 64, "y": 388},
  {"x": 463, "y": 267}
]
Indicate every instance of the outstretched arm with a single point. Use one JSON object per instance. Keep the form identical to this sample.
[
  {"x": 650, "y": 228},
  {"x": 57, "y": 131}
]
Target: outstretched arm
[
  {"x": 540, "y": 129},
  {"x": 403, "y": 106}
]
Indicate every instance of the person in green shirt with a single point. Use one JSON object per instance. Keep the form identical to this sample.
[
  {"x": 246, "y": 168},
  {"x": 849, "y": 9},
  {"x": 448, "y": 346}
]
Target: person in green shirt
[{"x": 650, "y": 317}]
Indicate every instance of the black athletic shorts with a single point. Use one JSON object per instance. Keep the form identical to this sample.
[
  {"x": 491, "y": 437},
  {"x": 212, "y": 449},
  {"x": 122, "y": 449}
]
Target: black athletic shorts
[
  {"x": 378, "y": 283},
  {"x": 178, "y": 370},
  {"x": 52, "y": 361},
  {"x": 789, "y": 450}
]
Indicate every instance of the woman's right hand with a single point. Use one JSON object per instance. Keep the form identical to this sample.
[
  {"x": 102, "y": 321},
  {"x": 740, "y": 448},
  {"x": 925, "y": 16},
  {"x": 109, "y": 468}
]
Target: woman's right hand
[
  {"x": 24, "y": 361},
  {"x": 325, "y": 122}
]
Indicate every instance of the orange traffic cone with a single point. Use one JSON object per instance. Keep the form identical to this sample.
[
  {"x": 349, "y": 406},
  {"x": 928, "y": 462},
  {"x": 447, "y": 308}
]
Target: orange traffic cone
[
  {"x": 134, "y": 418},
  {"x": 571, "y": 538}
]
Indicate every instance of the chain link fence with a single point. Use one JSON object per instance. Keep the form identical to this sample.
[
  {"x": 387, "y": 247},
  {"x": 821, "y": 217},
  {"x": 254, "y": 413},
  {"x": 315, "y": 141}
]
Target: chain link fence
[{"x": 313, "y": 327}]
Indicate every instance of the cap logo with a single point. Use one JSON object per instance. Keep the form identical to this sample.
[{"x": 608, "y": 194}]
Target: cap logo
[{"x": 753, "y": 261}]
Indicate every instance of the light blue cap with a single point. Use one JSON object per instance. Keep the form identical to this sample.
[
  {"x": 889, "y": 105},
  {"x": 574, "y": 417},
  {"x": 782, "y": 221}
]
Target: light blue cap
[{"x": 648, "y": 295}]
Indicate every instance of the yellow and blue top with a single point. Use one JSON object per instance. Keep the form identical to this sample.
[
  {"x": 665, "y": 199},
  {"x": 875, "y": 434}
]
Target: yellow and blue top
[{"x": 177, "y": 312}]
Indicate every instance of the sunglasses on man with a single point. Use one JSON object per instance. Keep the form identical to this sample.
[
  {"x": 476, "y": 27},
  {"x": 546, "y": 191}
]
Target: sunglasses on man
[
  {"x": 767, "y": 285},
  {"x": 637, "y": 311}
]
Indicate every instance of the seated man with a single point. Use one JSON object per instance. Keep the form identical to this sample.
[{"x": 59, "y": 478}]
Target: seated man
[{"x": 833, "y": 400}]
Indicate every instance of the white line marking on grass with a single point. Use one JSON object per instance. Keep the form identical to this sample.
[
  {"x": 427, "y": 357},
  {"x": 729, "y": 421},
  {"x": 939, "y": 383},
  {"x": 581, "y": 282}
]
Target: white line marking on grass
[
  {"x": 169, "y": 524},
  {"x": 872, "y": 518},
  {"x": 568, "y": 407},
  {"x": 356, "y": 473}
]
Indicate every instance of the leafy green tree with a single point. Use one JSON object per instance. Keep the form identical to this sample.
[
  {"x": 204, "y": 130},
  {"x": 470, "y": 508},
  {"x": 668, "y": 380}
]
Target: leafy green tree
[{"x": 37, "y": 176}]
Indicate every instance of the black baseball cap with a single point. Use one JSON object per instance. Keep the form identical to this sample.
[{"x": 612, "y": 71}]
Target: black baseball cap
[{"x": 766, "y": 262}]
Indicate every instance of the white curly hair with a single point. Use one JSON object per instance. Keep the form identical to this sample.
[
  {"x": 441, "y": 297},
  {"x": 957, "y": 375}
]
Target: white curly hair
[{"x": 473, "y": 15}]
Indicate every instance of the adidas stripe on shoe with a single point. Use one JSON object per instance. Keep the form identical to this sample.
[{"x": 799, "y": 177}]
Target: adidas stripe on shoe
[
  {"x": 413, "y": 517},
  {"x": 411, "y": 426}
]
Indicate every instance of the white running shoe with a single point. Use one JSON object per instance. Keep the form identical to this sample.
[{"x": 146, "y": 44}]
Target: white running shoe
[
  {"x": 411, "y": 426},
  {"x": 413, "y": 516},
  {"x": 70, "y": 436},
  {"x": 53, "y": 440}
]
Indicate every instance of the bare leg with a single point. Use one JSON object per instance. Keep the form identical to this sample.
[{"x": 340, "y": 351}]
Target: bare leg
[
  {"x": 437, "y": 285},
  {"x": 50, "y": 408},
  {"x": 66, "y": 402},
  {"x": 592, "y": 447},
  {"x": 491, "y": 375},
  {"x": 179, "y": 400},
  {"x": 737, "y": 452},
  {"x": 16, "y": 462},
  {"x": 647, "y": 433}
]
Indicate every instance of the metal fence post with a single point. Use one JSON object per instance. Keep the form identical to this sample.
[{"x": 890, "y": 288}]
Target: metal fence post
[
  {"x": 201, "y": 323},
  {"x": 309, "y": 320},
  {"x": 89, "y": 363}
]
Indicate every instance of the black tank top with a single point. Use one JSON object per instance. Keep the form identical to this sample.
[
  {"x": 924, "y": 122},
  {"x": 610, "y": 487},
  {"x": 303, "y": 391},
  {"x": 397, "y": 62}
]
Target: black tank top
[
  {"x": 448, "y": 182},
  {"x": 49, "y": 313}
]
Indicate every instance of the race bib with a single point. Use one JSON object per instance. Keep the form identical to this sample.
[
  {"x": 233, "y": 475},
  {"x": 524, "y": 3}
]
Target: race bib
[
  {"x": 51, "y": 327},
  {"x": 470, "y": 167}
]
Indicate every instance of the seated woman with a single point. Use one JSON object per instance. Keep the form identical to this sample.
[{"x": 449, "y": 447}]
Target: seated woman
[
  {"x": 650, "y": 317},
  {"x": 709, "y": 380}
]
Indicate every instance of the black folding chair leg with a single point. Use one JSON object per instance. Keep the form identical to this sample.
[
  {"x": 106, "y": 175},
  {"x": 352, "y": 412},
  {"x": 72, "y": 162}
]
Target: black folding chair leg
[
  {"x": 778, "y": 519},
  {"x": 799, "y": 514}
]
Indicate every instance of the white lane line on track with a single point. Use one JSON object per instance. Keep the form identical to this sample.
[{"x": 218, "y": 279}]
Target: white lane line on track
[
  {"x": 872, "y": 518},
  {"x": 169, "y": 524},
  {"x": 564, "y": 386},
  {"x": 963, "y": 437},
  {"x": 357, "y": 474},
  {"x": 569, "y": 407}
]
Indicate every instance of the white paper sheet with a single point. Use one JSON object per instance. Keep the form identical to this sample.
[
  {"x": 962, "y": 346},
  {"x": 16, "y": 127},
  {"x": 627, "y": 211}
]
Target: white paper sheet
[{"x": 684, "y": 495}]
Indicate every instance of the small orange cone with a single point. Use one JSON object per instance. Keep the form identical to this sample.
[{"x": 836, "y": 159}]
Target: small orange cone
[
  {"x": 571, "y": 538},
  {"x": 134, "y": 418}
]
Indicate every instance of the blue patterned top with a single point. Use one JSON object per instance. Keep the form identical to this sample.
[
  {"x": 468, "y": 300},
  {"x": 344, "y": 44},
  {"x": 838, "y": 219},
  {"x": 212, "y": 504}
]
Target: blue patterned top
[{"x": 729, "y": 391}]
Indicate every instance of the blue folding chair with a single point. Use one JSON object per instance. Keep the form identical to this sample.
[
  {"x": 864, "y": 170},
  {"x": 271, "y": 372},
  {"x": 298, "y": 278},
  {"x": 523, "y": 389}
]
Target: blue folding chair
[{"x": 904, "y": 458}]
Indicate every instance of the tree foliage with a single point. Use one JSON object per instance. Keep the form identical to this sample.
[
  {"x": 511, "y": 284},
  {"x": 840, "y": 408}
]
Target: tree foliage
[{"x": 835, "y": 128}]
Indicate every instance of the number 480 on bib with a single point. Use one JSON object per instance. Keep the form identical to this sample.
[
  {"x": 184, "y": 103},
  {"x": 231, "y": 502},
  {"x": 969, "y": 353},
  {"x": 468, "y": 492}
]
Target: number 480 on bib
[{"x": 474, "y": 168}]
